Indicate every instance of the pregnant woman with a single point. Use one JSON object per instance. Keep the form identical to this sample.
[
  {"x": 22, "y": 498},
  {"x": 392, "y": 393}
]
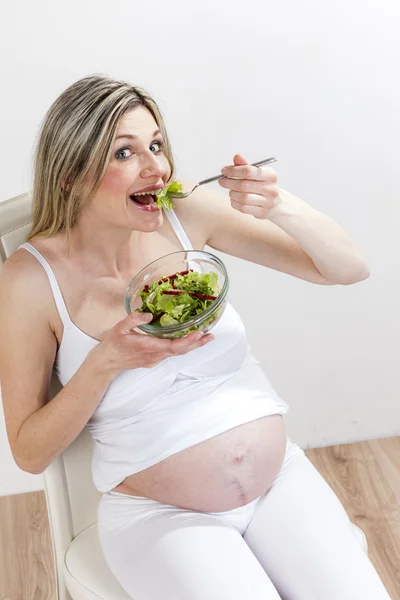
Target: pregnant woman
[{"x": 204, "y": 495}]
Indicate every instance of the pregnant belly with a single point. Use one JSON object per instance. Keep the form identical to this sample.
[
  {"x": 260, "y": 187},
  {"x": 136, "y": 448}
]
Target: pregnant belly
[{"x": 219, "y": 474}]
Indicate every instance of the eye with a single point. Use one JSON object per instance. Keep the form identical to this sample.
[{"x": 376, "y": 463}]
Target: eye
[
  {"x": 122, "y": 154},
  {"x": 156, "y": 146}
]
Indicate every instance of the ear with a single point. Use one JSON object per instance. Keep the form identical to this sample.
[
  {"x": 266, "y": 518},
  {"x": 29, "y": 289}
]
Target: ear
[{"x": 64, "y": 186}]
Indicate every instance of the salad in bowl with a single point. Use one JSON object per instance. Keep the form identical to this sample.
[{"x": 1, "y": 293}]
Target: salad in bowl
[{"x": 185, "y": 291}]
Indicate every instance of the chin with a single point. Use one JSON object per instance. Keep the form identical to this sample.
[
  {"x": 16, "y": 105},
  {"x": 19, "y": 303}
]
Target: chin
[{"x": 150, "y": 222}]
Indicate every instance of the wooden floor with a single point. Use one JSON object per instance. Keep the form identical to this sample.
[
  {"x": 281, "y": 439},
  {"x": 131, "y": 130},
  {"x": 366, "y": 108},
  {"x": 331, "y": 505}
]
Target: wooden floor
[{"x": 365, "y": 476}]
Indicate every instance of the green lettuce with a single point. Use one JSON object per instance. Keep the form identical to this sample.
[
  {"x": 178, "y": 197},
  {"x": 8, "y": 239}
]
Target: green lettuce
[
  {"x": 181, "y": 305},
  {"x": 162, "y": 196}
]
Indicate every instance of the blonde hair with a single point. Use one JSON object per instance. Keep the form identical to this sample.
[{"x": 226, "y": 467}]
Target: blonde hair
[{"x": 74, "y": 148}]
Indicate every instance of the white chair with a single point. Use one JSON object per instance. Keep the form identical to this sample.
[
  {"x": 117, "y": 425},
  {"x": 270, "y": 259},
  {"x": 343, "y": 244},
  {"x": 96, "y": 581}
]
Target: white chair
[{"x": 72, "y": 499}]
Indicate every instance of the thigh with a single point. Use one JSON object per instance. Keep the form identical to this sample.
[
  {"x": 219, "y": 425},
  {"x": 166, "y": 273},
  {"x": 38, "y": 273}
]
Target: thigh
[
  {"x": 303, "y": 537},
  {"x": 157, "y": 551}
]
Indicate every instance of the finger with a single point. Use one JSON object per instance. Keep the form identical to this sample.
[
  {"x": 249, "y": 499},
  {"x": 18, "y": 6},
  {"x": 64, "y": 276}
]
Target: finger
[
  {"x": 189, "y": 342},
  {"x": 236, "y": 205},
  {"x": 168, "y": 348},
  {"x": 239, "y": 159},
  {"x": 264, "y": 174},
  {"x": 244, "y": 172},
  {"x": 207, "y": 337},
  {"x": 250, "y": 199},
  {"x": 244, "y": 185},
  {"x": 255, "y": 211},
  {"x": 131, "y": 321},
  {"x": 201, "y": 342}
]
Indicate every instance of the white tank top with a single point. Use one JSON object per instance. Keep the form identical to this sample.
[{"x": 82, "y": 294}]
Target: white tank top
[{"x": 149, "y": 414}]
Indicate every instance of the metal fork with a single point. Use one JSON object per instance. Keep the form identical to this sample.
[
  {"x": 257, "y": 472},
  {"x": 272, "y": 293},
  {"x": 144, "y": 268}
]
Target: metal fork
[{"x": 186, "y": 194}]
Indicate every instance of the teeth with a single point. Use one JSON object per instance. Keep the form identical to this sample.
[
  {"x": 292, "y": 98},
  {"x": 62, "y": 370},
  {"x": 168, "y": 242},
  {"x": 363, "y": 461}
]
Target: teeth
[{"x": 145, "y": 193}]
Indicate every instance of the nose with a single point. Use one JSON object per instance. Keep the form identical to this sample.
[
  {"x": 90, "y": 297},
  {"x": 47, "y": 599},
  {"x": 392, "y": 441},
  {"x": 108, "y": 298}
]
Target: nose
[{"x": 152, "y": 166}]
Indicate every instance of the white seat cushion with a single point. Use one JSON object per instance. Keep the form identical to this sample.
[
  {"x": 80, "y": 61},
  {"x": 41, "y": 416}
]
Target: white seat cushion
[
  {"x": 361, "y": 538},
  {"x": 88, "y": 577},
  {"x": 86, "y": 573}
]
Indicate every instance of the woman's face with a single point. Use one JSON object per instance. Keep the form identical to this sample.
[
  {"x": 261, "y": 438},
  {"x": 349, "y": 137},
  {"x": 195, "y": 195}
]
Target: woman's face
[{"x": 137, "y": 164}]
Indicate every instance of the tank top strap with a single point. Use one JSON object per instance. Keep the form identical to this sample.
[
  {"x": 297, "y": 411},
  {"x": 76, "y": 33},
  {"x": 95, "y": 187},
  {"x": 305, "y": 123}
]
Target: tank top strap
[
  {"x": 177, "y": 227},
  {"x": 58, "y": 298}
]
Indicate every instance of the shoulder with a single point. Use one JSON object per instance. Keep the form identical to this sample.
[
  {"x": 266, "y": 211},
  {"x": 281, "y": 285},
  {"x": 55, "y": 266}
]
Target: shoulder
[
  {"x": 23, "y": 263},
  {"x": 204, "y": 210},
  {"x": 24, "y": 285},
  {"x": 20, "y": 267}
]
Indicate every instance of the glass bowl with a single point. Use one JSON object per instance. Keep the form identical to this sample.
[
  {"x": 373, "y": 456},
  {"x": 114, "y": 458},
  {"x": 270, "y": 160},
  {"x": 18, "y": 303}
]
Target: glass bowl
[{"x": 183, "y": 260}]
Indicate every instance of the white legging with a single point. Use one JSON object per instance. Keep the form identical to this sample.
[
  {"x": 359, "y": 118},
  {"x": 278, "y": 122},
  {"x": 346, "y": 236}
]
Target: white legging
[{"x": 295, "y": 542}]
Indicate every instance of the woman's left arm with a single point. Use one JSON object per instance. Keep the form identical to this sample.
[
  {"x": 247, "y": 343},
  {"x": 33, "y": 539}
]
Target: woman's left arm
[
  {"x": 287, "y": 234},
  {"x": 331, "y": 249}
]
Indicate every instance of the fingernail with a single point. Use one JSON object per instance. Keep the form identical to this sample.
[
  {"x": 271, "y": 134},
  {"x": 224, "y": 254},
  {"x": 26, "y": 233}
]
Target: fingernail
[
  {"x": 199, "y": 335},
  {"x": 224, "y": 171},
  {"x": 147, "y": 316}
]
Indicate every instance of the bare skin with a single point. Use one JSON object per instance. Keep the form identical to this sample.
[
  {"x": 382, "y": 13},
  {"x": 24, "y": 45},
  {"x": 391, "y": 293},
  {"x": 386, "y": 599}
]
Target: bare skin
[
  {"x": 221, "y": 473},
  {"x": 114, "y": 239}
]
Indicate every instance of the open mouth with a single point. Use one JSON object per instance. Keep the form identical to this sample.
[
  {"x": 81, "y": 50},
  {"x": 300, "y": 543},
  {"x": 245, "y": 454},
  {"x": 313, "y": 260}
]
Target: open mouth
[{"x": 144, "y": 199}]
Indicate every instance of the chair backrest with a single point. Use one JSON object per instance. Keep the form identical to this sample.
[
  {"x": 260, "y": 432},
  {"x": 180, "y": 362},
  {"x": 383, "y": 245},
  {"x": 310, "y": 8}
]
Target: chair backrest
[{"x": 71, "y": 496}]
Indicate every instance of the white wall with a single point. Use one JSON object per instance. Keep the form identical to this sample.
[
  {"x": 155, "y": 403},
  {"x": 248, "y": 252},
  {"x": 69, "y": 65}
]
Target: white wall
[{"x": 314, "y": 83}]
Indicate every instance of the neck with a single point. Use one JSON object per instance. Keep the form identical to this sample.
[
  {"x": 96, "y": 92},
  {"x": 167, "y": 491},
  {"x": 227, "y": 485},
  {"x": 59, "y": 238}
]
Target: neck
[{"x": 106, "y": 250}]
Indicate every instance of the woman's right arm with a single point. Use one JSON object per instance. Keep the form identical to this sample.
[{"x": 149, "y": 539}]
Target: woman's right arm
[{"x": 39, "y": 429}]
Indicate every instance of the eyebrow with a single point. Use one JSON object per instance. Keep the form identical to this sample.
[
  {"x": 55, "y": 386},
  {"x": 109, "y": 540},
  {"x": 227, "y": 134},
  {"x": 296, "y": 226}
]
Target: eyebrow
[{"x": 129, "y": 136}]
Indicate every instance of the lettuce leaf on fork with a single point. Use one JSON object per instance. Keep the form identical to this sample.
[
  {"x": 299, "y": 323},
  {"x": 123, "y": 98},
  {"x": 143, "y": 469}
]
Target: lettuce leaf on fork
[{"x": 162, "y": 197}]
